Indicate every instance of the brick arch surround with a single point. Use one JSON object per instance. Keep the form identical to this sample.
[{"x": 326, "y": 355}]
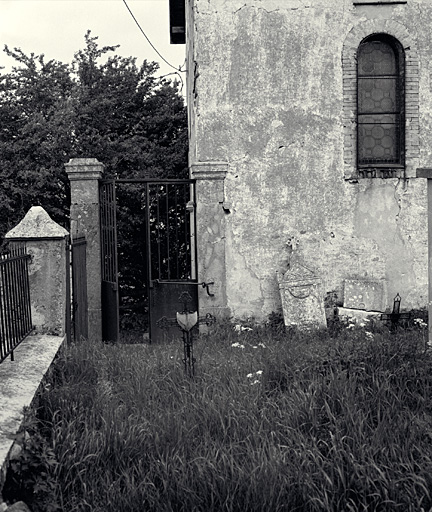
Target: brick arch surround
[{"x": 349, "y": 65}]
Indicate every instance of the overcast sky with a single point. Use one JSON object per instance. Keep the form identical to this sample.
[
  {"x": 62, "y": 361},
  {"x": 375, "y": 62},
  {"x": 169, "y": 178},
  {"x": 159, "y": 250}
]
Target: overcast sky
[{"x": 57, "y": 27}]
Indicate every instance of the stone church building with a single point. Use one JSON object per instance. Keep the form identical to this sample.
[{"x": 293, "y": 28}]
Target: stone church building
[{"x": 308, "y": 121}]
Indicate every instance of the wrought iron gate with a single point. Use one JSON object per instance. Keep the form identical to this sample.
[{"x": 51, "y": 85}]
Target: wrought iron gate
[
  {"x": 109, "y": 270},
  {"x": 171, "y": 250},
  {"x": 169, "y": 257}
]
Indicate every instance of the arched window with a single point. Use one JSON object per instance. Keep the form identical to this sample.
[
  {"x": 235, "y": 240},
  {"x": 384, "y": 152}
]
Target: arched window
[{"x": 380, "y": 104}]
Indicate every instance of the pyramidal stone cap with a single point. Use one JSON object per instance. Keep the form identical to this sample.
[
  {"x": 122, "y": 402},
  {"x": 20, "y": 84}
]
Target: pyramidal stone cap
[{"x": 36, "y": 224}]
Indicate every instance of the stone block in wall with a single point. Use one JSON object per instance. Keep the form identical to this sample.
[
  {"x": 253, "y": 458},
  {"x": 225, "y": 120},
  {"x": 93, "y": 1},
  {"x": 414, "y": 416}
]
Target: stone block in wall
[{"x": 369, "y": 295}]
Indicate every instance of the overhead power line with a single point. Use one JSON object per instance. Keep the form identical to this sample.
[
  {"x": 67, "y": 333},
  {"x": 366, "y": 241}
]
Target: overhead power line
[{"x": 148, "y": 40}]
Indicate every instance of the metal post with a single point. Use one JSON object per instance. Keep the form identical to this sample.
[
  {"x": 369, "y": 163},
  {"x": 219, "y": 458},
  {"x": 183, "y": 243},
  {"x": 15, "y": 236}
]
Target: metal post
[{"x": 427, "y": 173}]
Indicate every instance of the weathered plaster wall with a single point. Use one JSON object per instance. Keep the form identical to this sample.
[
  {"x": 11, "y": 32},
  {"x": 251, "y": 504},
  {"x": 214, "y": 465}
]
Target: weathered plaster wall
[
  {"x": 266, "y": 98},
  {"x": 45, "y": 242}
]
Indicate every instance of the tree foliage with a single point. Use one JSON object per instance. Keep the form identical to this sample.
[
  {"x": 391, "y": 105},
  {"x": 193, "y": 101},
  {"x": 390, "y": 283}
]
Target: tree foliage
[{"x": 102, "y": 106}]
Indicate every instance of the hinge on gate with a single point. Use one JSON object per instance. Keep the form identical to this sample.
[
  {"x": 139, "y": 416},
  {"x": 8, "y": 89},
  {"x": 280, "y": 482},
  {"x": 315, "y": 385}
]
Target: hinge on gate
[
  {"x": 190, "y": 206},
  {"x": 206, "y": 286}
]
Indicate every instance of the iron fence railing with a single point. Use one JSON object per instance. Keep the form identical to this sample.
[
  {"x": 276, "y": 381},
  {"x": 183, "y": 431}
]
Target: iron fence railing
[{"x": 15, "y": 310}]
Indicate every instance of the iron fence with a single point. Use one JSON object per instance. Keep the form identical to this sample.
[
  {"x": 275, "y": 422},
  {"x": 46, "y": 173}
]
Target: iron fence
[{"x": 15, "y": 310}]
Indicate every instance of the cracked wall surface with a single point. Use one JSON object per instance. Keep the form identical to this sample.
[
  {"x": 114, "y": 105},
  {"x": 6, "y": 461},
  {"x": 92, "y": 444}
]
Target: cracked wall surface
[{"x": 265, "y": 97}]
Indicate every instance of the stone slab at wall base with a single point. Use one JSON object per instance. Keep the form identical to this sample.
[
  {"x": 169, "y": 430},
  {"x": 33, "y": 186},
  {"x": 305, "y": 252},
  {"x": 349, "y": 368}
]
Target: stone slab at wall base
[
  {"x": 19, "y": 382},
  {"x": 359, "y": 316},
  {"x": 369, "y": 295}
]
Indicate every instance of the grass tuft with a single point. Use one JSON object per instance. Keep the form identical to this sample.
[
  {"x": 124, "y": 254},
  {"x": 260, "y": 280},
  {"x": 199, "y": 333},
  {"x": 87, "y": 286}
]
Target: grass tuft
[{"x": 272, "y": 421}]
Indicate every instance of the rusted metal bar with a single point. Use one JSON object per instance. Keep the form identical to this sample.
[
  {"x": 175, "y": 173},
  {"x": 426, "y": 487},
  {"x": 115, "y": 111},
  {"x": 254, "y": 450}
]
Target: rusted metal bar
[
  {"x": 176, "y": 228},
  {"x": 79, "y": 288},
  {"x": 168, "y": 228},
  {"x": 158, "y": 232}
]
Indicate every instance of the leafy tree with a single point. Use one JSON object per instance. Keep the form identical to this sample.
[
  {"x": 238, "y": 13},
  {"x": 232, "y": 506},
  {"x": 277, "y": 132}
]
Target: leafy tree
[
  {"x": 101, "y": 105},
  {"x": 34, "y": 137}
]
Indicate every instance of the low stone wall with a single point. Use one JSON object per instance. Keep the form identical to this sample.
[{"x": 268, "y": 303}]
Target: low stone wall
[{"x": 19, "y": 381}]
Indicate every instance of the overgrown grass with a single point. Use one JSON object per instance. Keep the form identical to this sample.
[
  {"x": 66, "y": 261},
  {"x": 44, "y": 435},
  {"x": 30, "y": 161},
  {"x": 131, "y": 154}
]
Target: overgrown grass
[{"x": 333, "y": 423}]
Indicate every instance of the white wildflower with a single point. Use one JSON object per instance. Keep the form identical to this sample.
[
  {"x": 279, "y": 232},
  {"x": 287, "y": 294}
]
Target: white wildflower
[
  {"x": 259, "y": 372},
  {"x": 256, "y": 381},
  {"x": 240, "y": 328},
  {"x": 420, "y": 323},
  {"x": 237, "y": 345},
  {"x": 369, "y": 335},
  {"x": 249, "y": 375}
]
